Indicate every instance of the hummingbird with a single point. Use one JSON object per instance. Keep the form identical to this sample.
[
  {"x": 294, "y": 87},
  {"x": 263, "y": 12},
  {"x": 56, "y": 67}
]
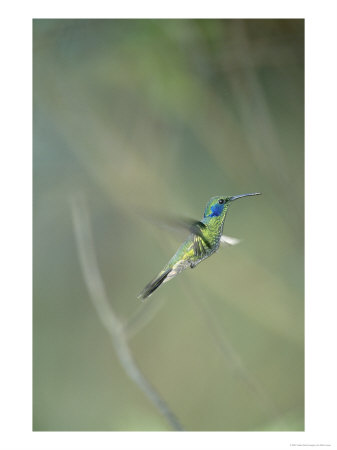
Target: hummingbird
[{"x": 204, "y": 240}]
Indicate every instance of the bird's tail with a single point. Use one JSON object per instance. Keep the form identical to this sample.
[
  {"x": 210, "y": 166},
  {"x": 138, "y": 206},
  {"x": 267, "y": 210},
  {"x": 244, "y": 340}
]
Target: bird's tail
[{"x": 154, "y": 284}]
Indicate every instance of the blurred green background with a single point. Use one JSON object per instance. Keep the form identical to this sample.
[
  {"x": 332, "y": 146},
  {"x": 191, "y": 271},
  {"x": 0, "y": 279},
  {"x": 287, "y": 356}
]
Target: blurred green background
[{"x": 160, "y": 115}]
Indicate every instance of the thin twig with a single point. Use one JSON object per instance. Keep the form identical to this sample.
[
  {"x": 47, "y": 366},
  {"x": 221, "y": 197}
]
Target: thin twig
[{"x": 99, "y": 298}]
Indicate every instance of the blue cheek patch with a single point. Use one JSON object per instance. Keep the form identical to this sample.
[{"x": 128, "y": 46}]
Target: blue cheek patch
[{"x": 216, "y": 210}]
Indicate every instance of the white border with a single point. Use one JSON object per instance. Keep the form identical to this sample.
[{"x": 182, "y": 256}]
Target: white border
[{"x": 321, "y": 225}]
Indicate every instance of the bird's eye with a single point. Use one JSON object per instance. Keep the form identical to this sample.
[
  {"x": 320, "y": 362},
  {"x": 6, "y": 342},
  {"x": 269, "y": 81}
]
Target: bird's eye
[{"x": 221, "y": 201}]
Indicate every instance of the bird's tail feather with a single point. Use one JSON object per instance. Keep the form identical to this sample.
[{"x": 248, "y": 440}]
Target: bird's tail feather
[{"x": 153, "y": 285}]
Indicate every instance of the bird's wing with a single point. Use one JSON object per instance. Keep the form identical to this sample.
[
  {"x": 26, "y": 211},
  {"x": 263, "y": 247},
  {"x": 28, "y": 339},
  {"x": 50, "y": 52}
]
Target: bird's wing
[
  {"x": 197, "y": 228},
  {"x": 199, "y": 246},
  {"x": 180, "y": 224},
  {"x": 193, "y": 226},
  {"x": 228, "y": 240}
]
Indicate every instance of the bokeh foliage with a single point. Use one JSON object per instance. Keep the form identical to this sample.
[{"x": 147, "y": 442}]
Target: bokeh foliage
[{"x": 160, "y": 115}]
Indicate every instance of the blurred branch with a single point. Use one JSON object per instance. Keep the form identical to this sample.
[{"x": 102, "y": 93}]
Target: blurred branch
[{"x": 106, "y": 314}]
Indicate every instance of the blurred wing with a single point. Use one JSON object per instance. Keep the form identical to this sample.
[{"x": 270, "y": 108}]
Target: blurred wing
[
  {"x": 199, "y": 246},
  {"x": 197, "y": 229},
  {"x": 181, "y": 224},
  {"x": 228, "y": 240}
]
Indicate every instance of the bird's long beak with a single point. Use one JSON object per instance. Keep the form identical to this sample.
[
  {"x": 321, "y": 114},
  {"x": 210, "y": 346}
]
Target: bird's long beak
[{"x": 235, "y": 197}]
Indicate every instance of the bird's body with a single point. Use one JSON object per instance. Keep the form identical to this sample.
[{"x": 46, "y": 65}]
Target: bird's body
[{"x": 200, "y": 244}]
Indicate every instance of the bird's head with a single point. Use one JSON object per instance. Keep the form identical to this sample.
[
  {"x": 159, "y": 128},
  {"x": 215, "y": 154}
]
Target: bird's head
[{"x": 218, "y": 205}]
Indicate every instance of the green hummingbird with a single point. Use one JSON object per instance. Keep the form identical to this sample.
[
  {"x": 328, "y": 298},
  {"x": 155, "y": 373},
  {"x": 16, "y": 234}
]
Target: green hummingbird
[{"x": 204, "y": 240}]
